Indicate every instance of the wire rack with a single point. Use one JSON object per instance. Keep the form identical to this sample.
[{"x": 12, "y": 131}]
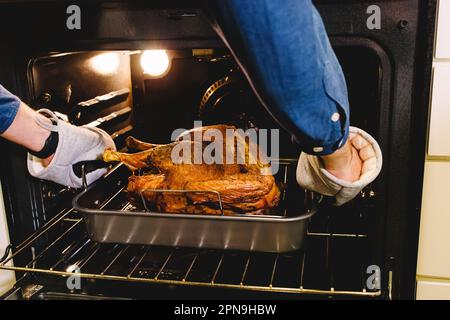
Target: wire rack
[{"x": 330, "y": 263}]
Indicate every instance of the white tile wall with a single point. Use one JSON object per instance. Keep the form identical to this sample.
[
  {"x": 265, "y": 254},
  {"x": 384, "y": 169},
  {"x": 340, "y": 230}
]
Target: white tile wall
[
  {"x": 433, "y": 290},
  {"x": 434, "y": 244},
  {"x": 434, "y": 240},
  {"x": 443, "y": 28},
  {"x": 439, "y": 133}
]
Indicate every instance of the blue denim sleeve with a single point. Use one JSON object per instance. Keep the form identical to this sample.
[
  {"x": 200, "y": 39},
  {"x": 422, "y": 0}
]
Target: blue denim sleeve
[
  {"x": 9, "y": 105},
  {"x": 283, "y": 49}
]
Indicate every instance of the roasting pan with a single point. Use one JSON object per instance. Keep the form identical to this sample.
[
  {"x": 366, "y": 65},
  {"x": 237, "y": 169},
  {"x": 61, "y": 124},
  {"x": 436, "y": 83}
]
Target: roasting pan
[{"x": 111, "y": 218}]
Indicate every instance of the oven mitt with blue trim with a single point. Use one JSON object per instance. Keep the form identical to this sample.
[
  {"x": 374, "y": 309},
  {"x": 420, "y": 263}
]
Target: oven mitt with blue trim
[
  {"x": 75, "y": 145},
  {"x": 311, "y": 174}
]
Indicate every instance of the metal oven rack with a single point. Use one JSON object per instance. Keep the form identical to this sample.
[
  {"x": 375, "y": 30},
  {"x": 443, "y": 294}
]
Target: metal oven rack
[{"x": 331, "y": 264}]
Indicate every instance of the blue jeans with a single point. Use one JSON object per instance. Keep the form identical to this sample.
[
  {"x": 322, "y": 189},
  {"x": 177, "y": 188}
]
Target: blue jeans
[
  {"x": 283, "y": 49},
  {"x": 9, "y": 105}
]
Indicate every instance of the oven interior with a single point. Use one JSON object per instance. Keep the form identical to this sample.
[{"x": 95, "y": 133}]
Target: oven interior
[{"x": 109, "y": 89}]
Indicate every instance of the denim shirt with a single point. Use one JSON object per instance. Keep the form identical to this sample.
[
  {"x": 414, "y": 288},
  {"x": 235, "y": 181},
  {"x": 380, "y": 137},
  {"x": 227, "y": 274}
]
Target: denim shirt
[
  {"x": 9, "y": 105},
  {"x": 283, "y": 49}
]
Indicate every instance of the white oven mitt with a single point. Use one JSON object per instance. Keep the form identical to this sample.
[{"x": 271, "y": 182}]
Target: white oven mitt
[
  {"x": 312, "y": 175},
  {"x": 75, "y": 144}
]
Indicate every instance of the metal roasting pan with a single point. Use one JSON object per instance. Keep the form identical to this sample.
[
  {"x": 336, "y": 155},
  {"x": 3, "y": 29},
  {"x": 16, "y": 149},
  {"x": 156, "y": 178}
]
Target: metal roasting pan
[{"x": 110, "y": 218}]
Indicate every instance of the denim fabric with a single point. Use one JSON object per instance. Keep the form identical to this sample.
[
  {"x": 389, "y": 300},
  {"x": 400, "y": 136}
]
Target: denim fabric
[
  {"x": 9, "y": 104},
  {"x": 283, "y": 49}
]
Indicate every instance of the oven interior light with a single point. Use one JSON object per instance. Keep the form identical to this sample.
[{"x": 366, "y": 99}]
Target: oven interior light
[
  {"x": 155, "y": 62},
  {"x": 105, "y": 63}
]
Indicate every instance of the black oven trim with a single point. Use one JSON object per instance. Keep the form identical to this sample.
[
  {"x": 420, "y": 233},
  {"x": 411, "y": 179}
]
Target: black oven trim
[
  {"x": 385, "y": 102},
  {"x": 418, "y": 143}
]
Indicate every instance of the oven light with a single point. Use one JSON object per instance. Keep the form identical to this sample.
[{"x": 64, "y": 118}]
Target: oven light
[
  {"x": 155, "y": 62},
  {"x": 105, "y": 63}
]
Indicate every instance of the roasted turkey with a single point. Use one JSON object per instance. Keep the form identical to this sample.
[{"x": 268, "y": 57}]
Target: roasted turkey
[{"x": 244, "y": 187}]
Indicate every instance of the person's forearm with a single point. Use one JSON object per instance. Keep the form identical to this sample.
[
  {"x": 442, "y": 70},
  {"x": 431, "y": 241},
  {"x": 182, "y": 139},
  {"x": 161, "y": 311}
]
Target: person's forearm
[{"x": 25, "y": 131}]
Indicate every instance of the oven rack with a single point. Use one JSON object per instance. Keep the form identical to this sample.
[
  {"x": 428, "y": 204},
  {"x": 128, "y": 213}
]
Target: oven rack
[{"x": 328, "y": 265}]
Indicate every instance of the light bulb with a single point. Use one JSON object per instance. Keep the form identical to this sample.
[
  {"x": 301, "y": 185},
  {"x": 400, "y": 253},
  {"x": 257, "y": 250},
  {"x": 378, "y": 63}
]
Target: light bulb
[
  {"x": 105, "y": 63},
  {"x": 155, "y": 62}
]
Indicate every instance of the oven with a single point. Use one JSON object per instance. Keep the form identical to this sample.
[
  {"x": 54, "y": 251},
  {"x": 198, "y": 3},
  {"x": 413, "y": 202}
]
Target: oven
[{"x": 95, "y": 76}]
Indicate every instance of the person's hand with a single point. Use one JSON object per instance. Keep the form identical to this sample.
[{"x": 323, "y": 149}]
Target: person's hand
[
  {"x": 344, "y": 173},
  {"x": 75, "y": 145},
  {"x": 345, "y": 162}
]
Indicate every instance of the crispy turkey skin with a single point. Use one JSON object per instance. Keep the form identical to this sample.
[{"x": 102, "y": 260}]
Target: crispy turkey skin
[{"x": 243, "y": 188}]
